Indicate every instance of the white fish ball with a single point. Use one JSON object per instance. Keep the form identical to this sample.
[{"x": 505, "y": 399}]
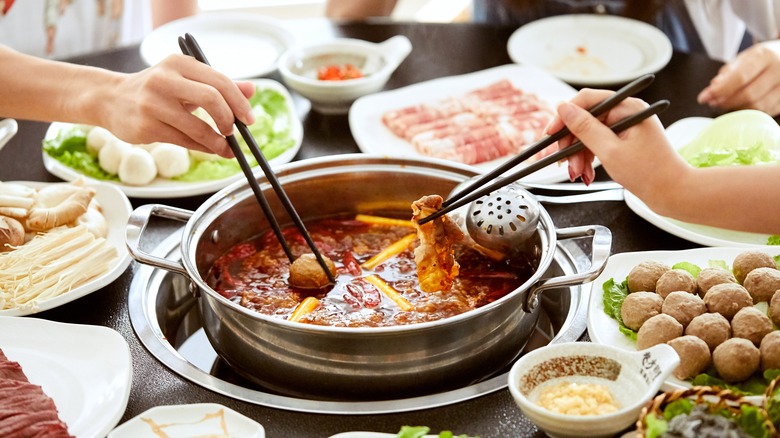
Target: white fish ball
[
  {"x": 148, "y": 147},
  {"x": 98, "y": 137},
  {"x": 111, "y": 153},
  {"x": 171, "y": 160},
  {"x": 137, "y": 168}
]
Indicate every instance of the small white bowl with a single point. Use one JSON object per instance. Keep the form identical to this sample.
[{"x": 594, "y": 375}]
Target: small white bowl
[
  {"x": 632, "y": 377},
  {"x": 376, "y": 61}
]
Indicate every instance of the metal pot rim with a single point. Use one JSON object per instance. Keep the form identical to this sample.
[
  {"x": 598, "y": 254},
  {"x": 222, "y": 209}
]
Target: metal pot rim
[{"x": 236, "y": 192}]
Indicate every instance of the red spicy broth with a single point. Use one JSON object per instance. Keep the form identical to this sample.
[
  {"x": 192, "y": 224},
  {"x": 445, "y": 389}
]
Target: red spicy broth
[{"x": 254, "y": 274}]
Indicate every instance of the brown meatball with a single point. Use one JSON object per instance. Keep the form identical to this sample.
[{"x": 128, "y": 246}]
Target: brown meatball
[
  {"x": 638, "y": 307},
  {"x": 748, "y": 260},
  {"x": 683, "y": 307},
  {"x": 774, "y": 308},
  {"x": 644, "y": 276},
  {"x": 751, "y": 324},
  {"x": 306, "y": 273},
  {"x": 709, "y": 277},
  {"x": 712, "y": 328},
  {"x": 675, "y": 280},
  {"x": 658, "y": 330},
  {"x": 736, "y": 359},
  {"x": 770, "y": 351},
  {"x": 727, "y": 299},
  {"x": 762, "y": 283},
  {"x": 695, "y": 356}
]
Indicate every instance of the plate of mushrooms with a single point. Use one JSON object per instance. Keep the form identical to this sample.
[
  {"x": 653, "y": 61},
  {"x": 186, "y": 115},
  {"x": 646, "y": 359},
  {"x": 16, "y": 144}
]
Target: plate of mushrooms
[{"x": 58, "y": 242}]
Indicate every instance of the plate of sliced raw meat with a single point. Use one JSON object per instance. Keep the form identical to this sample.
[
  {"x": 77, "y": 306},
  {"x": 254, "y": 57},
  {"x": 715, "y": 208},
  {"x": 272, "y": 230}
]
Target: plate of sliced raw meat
[
  {"x": 61, "y": 380},
  {"x": 480, "y": 119}
]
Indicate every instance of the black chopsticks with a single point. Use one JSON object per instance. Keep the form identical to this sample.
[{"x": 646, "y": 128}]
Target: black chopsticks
[
  {"x": 605, "y": 105},
  {"x": 483, "y": 185},
  {"x": 191, "y": 47}
]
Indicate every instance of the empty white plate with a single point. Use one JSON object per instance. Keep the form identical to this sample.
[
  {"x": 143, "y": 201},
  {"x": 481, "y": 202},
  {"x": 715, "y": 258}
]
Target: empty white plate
[
  {"x": 593, "y": 50},
  {"x": 239, "y": 45}
]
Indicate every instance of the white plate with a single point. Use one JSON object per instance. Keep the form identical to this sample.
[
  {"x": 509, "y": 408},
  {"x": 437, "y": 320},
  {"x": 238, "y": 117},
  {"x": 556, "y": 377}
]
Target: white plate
[
  {"x": 239, "y": 45},
  {"x": 592, "y": 50},
  {"x": 604, "y": 330},
  {"x": 166, "y": 188},
  {"x": 85, "y": 369},
  {"x": 680, "y": 134},
  {"x": 116, "y": 209},
  {"x": 195, "y": 420},
  {"x": 373, "y": 137}
]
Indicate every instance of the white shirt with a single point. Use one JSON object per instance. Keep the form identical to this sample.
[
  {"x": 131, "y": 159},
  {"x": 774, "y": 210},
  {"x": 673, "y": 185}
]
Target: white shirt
[
  {"x": 722, "y": 23},
  {"x": 75, "y": 26}
]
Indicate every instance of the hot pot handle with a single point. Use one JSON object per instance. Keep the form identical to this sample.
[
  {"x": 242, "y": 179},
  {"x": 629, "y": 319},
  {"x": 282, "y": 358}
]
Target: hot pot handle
[
  {"x": 136, "y": 225},
  {"x": 601, "y": 246}
]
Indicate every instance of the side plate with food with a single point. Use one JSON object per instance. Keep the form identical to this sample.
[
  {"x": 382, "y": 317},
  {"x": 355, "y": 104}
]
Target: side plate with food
[
  {"x": 116, "y": 209},
  {"x": 510, "y": 104},
  {"x": 181, "y": 421},
  {"x": 278, "y": 131},
  {"x": 604, "y": 329},
  {"x": 86, "y": 370}
]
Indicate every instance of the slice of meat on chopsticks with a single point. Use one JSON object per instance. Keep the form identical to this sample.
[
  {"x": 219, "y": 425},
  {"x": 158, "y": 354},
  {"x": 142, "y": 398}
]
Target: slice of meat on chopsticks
[
  {"x": 435, "y": 256},
  {"x": 25, "y": 410},
  {"x": 478, "y": 126}
]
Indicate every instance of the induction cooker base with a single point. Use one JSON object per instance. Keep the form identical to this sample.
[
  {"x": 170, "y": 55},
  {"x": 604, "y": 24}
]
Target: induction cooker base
[{"x": 165, "y": 316}]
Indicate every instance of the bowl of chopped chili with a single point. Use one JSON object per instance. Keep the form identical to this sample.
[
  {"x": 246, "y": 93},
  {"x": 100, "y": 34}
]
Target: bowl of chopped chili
[{"x": 333, "y": 74}]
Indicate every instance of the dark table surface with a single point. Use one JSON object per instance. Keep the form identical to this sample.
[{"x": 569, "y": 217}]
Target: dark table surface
[{"x": 439, "y": 50}]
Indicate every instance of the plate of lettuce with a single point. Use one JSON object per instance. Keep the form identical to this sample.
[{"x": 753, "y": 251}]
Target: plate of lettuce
[
  {"x": 405, "y": 432},
  {"x": 68, "y": 154},
  {"x": 740, "y": 138}
]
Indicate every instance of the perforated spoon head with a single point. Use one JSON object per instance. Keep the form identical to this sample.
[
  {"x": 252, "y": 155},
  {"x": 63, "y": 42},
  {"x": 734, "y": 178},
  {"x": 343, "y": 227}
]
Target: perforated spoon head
[{"x": 504, "y": 221}]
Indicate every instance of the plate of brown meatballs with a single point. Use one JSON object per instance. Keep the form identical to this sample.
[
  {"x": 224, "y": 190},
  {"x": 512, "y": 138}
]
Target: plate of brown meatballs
[{"x": 718, "y": 307}]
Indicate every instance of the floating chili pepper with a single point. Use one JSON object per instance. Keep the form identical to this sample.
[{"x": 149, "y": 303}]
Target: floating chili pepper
[{"x": 338, "y": 72}]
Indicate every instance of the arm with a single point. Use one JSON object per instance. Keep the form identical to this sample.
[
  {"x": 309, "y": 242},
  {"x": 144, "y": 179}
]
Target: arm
[
  {"x": 164, "y": 11},
  {"x": 752, "y": 80},
  {"x": 152, "y": 105},
  {"x": 358, "y": 9},
  {"x": 643, "y": 161}
]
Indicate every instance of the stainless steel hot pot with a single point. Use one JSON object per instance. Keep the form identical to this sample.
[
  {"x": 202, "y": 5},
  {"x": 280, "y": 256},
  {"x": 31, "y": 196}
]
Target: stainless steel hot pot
[{"x": 353, "y": 363}]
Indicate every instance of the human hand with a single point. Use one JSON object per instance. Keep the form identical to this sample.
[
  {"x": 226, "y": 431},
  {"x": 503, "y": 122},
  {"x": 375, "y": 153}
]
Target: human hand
[
  {"x": 752, "y": 80},
  {"x": 156, "y": 104},
  {"x": 639, "y": 158}
]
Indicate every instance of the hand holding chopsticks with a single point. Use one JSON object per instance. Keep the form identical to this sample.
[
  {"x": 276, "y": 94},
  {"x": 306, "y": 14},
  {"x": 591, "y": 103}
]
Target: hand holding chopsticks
[
  {"x": 191, "y": 47},
  {"x": 493, "y": 180}
]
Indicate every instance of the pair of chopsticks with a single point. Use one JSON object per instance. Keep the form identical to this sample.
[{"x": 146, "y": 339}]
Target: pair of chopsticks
[
  {"x": 491, "y": 181},
  {"x": 191, "y": 47}
]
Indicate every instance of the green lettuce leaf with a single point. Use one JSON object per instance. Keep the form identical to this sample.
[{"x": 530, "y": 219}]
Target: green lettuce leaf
[
  {"x": 656, "y": 427},
  {"x": 746, "y": 137},
  {"x": 755, "y": 385},
  {"x": 687, "y": 266},
  {"x": 613, "y": 297},
  {"x": 421, "y": 431},
  {"x": 773, "y": 240},
  {"x": 69, "y": 147}
]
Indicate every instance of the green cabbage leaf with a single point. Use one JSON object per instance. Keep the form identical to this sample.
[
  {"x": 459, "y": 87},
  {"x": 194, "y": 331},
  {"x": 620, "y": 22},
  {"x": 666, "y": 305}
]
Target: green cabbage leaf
[{"x": 745, "y": 137}]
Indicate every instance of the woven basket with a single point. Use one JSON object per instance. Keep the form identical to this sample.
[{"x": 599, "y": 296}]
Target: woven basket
[{"x": 717, "y": 399}]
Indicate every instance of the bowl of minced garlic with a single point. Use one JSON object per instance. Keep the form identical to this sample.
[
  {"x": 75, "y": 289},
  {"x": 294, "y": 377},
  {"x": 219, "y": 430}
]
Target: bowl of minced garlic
[{"x": 583, "y": 389}]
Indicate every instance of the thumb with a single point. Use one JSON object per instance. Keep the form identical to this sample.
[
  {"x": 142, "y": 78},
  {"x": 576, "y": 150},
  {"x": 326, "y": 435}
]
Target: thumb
[{"x": 584, "y": 126}]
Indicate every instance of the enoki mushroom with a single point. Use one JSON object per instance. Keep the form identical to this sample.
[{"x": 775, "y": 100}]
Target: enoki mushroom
[{"x": 52, "y": 264}]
